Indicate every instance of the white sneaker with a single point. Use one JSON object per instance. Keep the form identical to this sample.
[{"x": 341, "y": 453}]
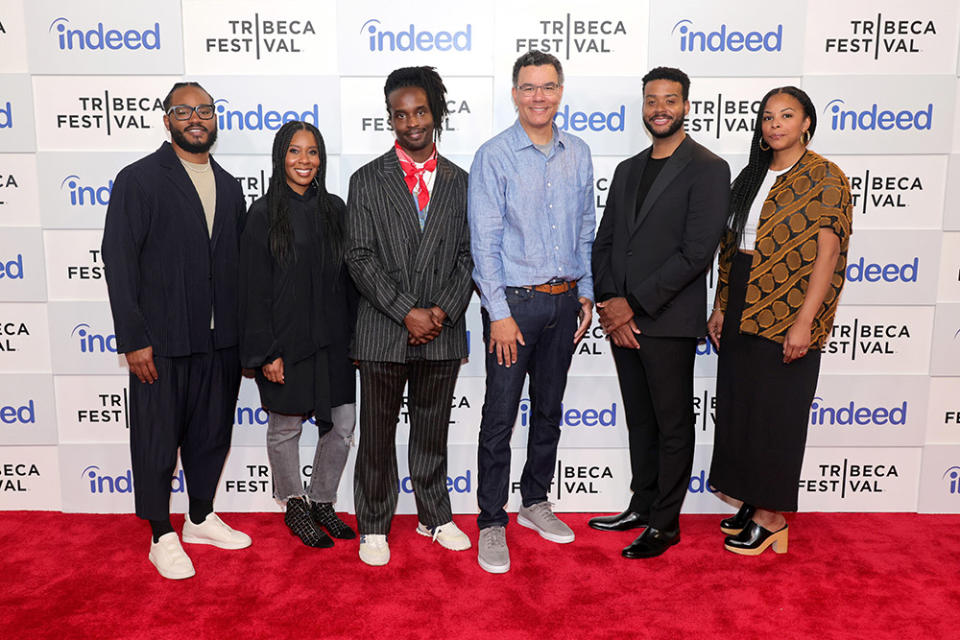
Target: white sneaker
[
  {"x": 374, "y": 549},
  {"x": 448, "y": 535},
  {"x": 170, "y": 559},
  {"x": 214, "y": 531}
]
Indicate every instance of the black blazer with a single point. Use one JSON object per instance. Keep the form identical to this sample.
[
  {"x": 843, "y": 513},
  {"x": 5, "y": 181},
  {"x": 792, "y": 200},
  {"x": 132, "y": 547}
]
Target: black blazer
[
  {"x": 396, "y": 266},
  {"x": 658, "y": 257},
  {"x": 164, "y": 271}
]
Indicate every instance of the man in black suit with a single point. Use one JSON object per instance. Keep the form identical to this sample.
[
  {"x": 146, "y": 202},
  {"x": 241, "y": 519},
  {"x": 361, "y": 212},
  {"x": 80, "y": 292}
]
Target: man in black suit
[
  {"x": 170, "y": 246},
  {"x": 661, "y": 225},
  {"x": 408, "y": 250}
]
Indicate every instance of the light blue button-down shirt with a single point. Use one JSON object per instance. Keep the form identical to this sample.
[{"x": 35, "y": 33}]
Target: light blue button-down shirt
[{"x": 532, "y": 216}]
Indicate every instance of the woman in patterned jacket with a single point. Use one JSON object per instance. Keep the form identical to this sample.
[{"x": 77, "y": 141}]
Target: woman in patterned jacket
[{"x": 782, "y": 263}]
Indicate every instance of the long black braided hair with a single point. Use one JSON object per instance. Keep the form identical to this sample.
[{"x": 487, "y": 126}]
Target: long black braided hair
[
  {"x": 745, "y": 187},
  {"x": 280, "y": 230},
  {"x": 425, "y": 78}
]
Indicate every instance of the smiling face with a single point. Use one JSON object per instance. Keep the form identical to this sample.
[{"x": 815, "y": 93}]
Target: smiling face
[
  {"x": 302, "y": 161},
  {"x": 412, "y": 121},
  {"x": 193, "y": 135},
  {"x": 664, "y": 107},
  {"x": 536, "y": 111},
  {"x": 784, "y": 122}
]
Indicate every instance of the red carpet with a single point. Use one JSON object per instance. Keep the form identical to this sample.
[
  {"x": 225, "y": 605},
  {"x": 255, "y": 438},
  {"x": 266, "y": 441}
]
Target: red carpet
[{"x": 846, "y": 576}]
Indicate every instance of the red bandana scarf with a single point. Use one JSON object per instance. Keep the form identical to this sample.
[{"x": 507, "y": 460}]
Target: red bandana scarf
[{"x": 414, "y": 176}]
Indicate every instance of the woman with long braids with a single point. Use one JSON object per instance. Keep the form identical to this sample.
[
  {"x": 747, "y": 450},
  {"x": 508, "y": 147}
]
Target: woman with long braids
[
  {"x": 782, "y": 263},
  {"x": 297, "y": 312}
]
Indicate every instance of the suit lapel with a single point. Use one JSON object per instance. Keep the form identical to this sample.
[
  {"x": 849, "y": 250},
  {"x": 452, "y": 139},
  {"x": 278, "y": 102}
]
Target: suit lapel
[
  {"x": 632, "y": 188},
  {"x": 675, "y": 164},
  {"x": 178, "y": 176},
  {"x": 434, "y": 229},
  {"x": 398, "y": 195},
  {"x": 221, "y": 215}
]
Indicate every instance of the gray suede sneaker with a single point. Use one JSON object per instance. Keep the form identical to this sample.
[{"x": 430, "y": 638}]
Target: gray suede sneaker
[
  {"x": 540, "y": 518},
  {"x": 492, "y": 552}
]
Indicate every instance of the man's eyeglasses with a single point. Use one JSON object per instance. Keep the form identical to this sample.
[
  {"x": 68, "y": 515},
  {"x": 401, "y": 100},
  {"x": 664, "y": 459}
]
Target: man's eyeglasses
[
  {"x": 549, "y": 89},
  {"x": 184, "y": 111}
]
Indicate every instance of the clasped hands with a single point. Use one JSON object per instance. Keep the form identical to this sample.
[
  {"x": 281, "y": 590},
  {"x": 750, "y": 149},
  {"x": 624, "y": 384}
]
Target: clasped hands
[
  {"x": 616, "y": 319},
  {"x": 424, "y": 325}
]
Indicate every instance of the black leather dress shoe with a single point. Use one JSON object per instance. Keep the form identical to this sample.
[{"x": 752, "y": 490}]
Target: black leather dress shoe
[
  {"x": 619, "y": 522},
  {"x": 735, "y": 523},
  {"x": 652, "y": 542}
]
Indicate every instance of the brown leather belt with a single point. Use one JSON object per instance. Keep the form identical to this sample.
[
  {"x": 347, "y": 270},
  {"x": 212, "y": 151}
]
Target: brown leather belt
[{"x": 554, "y": 289}]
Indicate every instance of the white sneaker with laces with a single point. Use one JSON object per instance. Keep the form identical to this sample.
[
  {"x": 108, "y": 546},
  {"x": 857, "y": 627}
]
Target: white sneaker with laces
[
  {"x": 448, "y": 535},
  {"x": 214, "y": 531},
  {"x": 170, "y": 559},
  {"x": 374, "y": 549}
]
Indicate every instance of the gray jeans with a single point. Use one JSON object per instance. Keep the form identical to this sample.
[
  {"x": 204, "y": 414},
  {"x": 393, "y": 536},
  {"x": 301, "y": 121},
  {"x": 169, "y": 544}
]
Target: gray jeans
[{"x": 283, "y": 451}]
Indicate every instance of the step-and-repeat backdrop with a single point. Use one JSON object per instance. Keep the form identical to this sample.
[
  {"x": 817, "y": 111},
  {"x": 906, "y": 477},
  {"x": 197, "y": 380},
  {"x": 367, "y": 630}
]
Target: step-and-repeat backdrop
[{"x": 80, "y": 90}]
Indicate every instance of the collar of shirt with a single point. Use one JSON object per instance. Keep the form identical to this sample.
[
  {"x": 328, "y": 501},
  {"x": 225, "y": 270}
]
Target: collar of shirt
[{"x": 520, "y": 140}]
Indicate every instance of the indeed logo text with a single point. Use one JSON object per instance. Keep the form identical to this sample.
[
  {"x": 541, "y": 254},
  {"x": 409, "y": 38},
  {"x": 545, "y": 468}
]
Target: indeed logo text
[
  {"x": 952, "y": 476},
  {"x": 575, "y": 417},
  {"x": 567, "y": 120},
  {"x": 12, "y": 269},
  {"x": 874, "y": 118},
  {"x": 456, "y": 484},
  {"x": 94, "y": 342},
  {"x": 100, "y": 483},
  {"x": 862, "y": 271},
  {"x": 258, "y": 119},
  {"x": 6, "y": 115},
  {"x": 412, "y": 39},
  {"x": 100, "y": 37},
  {"x": 725, "y": 39},
  {"x": 851, "y": 414},
  {"x": 27, "y": 414},
  {"x": 81, "y": 195}
]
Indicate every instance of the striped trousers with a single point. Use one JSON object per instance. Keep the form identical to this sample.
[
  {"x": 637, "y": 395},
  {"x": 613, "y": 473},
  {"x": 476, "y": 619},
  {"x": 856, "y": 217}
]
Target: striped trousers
[{"x": 375, "y": 480}]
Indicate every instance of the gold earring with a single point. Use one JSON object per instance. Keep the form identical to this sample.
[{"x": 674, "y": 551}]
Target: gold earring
[
  {"x": 763, "y": 145},
  {"x": 805, "y": 138}
]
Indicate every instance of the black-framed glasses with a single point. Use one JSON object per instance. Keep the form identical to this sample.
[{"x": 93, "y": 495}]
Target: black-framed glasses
[
  {"x": 184, "y": 111},
  {"x": 549, "y": 89}
]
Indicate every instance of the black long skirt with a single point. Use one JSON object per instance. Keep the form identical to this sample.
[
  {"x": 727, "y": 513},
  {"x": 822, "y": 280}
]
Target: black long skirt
[{"x": 763, "y": 408}]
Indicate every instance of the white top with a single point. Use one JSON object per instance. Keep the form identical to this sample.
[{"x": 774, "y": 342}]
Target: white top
[{"x": 749, "y": 240}]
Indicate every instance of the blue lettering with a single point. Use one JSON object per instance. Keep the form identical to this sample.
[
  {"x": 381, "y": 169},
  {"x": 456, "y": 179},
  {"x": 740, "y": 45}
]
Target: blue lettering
[
  {"x": 595, "y": 121},
  {"x": 725, "y": 39},
  {"x": 12, "y": 270},
  {"x": 6, "y": 116},
  {"x": 100, "y": 37},
  {"x": 862, "y": 271},
  {"x": 850, "y": 414},
  {"x": 412, "y": 39},
  {"x": 874, "y": 118},
  {"x": 257, "y": 119},
  {"x": 26, "y": 414}
]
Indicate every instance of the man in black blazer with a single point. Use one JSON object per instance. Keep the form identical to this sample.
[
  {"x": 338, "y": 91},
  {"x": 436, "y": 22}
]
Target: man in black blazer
[
  {"x": 662, "y": 222},
  {"x": 170, "y": 246},
  {"x": 408, "y": 250}
]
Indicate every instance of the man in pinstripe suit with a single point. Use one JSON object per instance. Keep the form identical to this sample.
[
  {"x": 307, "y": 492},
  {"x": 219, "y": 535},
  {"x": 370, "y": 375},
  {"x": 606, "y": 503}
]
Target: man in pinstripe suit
[{"x": 408, "y": 251}]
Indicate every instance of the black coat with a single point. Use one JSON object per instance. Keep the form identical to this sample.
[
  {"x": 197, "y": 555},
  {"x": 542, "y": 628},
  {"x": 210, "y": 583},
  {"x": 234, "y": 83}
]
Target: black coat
[
  {"x": 165, "y": 273},
  {"x": 303, "y": 311},
  {"x": 658, "y": 257}
]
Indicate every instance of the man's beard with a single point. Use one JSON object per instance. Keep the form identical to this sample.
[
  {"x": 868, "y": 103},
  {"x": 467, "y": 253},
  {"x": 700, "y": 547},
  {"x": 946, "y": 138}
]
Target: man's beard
[
  {"x": 669, "y": 132},
  {"x": 193, "y": 147}
]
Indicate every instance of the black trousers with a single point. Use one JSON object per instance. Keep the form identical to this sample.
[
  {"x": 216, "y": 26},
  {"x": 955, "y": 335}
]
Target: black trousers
[
  {"x": 375, "y": 479},
  {"x": 189, "y": 407},
  {"x": 656, "y": 382}
]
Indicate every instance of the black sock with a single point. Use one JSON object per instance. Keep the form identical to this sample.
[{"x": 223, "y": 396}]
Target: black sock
[
  {"x": 200, "y": 509},
  {"x": 160, "y": 527}
]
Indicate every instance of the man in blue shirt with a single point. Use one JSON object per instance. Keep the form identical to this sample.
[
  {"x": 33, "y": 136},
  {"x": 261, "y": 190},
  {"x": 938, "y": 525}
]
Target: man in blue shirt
[{"x": 531, "y": 213}]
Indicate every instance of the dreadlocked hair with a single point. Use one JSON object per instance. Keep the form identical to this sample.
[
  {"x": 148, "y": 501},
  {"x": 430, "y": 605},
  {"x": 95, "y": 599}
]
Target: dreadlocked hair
[
  {"x": 327, "y": 220},
  {"x": 744, "y": 189},
  {"x": 425, "y": 78}
]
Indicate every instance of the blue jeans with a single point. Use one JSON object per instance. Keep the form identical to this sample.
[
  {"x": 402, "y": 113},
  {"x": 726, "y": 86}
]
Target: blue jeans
[{"x": 548, "y": 324}]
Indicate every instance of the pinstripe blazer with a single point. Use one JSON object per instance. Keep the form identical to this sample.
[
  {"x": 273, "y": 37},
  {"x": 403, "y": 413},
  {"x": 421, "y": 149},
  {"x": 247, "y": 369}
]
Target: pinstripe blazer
[{"x": 397, "y": 267}]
